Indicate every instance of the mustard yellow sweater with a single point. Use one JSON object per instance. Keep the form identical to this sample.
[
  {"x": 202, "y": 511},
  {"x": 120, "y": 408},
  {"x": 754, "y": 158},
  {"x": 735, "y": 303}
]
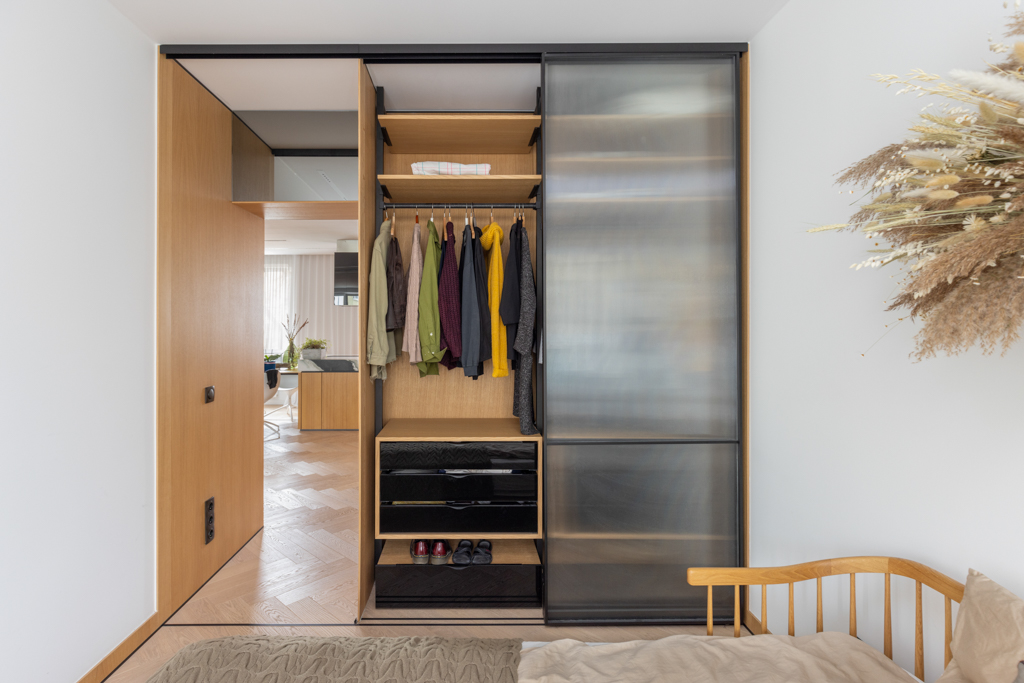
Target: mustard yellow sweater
[{"x": 491, "y": 242}]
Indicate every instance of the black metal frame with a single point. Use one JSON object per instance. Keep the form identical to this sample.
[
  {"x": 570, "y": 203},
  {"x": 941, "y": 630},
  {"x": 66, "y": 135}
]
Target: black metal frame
[
  {"x": 481, "y": 53},
  {"x": 739, "y": 441}
]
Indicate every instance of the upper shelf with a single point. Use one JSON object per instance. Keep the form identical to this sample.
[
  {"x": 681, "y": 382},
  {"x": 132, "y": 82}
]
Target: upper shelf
[
  {"x": 303, "y": 211},
  {"x": 477, "y": 189},
  {"x": 460, "y": 133}
]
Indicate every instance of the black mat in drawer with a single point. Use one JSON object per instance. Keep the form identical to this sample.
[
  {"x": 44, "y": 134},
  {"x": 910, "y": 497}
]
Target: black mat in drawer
[
  {"x": 459, "y": 487},
  {"x": 458, "y": 519},
  {"x": 512, "y": 455}
]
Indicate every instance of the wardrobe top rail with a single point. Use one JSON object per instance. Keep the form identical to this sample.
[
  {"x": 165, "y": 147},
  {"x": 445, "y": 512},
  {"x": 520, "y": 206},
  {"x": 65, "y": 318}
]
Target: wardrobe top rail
[
  {"x": 460, "y": 133},
  {"x": 454, "y": 429}
]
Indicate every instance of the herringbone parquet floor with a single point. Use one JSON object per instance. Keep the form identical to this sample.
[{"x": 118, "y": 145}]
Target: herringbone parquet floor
[{"x": 301, "y": 569}]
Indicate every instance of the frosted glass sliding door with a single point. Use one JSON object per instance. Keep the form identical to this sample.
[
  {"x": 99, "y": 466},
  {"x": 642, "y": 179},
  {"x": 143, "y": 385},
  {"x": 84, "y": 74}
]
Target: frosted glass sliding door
[
  {"x": 641, "y": 334},
  {"x": 641, "y": 249}
]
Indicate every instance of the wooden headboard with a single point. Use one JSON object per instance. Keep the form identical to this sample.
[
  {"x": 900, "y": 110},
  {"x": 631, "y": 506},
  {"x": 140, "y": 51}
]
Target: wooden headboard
[{"x": 769, "y": 576}]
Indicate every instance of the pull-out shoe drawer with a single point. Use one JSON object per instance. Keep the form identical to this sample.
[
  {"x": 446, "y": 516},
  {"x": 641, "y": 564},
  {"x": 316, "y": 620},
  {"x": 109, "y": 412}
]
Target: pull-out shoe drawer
[
  {"x": 459, "y": 519},
  {"x": 458, "y": 487}
]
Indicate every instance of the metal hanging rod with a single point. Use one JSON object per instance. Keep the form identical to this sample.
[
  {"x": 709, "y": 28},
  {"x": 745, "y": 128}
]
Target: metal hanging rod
[{"x": 458, "y": 205}]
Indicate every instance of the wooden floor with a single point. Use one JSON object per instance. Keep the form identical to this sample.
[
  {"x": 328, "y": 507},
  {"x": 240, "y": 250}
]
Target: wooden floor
[{"x": 298, "y": 575}]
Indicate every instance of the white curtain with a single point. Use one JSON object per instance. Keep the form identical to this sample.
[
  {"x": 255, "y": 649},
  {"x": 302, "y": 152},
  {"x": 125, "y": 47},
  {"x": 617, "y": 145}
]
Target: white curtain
[{"x": 304, "y": 285}]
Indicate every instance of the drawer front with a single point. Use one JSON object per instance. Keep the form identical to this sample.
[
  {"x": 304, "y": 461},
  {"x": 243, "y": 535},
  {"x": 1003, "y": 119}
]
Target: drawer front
[
  {"x": 458, "y": 519},
  {"x": 459, "y": 487},
  {"x": 511, "y": 585},
  {"x": 434, "y": 455}
]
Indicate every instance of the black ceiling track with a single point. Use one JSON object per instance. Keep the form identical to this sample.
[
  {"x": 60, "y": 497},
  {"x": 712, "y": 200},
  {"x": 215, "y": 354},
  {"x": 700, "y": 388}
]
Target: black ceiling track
[{"x": 522, "y": 53}]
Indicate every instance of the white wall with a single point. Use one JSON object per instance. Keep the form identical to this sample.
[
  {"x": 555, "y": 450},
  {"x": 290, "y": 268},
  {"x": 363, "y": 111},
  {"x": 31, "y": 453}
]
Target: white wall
[
  {"x": 77, "y": 185},
  {"x": 864, "y": 454}
]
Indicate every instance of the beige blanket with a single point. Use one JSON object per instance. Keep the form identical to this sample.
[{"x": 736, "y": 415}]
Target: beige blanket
[
  {"x": 831, "y": 657},
  {"x": 305, "y": 659}
]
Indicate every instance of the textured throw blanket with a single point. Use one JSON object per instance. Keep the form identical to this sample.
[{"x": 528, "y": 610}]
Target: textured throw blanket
[
  {"x": 831, "y": 657},
  {"x": 306, "y": 659}
]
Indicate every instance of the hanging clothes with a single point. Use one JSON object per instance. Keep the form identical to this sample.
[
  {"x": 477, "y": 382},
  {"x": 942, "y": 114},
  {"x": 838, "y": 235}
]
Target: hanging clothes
[
  {"x": 411, "y": 334},
  {"x": 509, "y": 307},
  {"x": 396, "y": 287},
  {"x": 450, "y": 301},
  {"x": 480, "y": 272},
  {"x": 522, "y": 401},
  {"x": 471, "y": 324},
  {"x": 380, "y": 344},
  {"x": 490, "y": 241},
  {"x": 429, "y": 319}
]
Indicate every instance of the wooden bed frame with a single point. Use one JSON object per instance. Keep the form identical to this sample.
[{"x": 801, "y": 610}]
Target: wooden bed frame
[{"x": 769, "y": 576}]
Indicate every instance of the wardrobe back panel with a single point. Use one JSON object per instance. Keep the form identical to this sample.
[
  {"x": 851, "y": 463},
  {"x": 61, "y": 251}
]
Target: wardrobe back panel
[
  {"x": 451, "y": 393},
  {"x": 209, "y": 332},
  {"x": 367, "y": 233}
]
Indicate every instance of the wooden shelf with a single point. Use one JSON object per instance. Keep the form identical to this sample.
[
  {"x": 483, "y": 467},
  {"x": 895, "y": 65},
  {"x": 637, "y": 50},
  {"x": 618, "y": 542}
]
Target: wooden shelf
[
  {"x": 440, "y": 189},
  {"x": 459, "y": 133},
  {"x": 303, "y": 211},
  {"x": 455, "y": 429},
  {"x": 511, "y": 551},
  {"x": 608, "y": 536}
]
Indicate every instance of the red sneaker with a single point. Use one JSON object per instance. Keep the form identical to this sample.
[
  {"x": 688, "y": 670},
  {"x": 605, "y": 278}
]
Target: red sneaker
[
  {"x": 420, "y": 551},
  {"x": 440, "y": 552}
]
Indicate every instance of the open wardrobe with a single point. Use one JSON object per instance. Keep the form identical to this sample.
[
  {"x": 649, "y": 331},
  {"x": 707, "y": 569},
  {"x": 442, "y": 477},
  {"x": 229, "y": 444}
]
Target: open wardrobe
[{"x": 564, "y": 377}]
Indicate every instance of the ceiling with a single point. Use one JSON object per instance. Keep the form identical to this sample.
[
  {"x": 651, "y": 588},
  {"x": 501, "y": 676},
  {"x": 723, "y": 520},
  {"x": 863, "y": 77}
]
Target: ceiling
[
  {"x": 447, "y": 21},
  {"x": 307, "y": 237}
]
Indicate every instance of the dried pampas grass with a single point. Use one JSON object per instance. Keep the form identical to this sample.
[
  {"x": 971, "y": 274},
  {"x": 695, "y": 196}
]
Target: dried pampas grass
[{"x": 949, "y": 202}]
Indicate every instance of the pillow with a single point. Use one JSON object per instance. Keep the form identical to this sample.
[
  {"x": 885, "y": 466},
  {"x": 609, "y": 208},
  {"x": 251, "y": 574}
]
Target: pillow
[{"x": 988, "y": 640}]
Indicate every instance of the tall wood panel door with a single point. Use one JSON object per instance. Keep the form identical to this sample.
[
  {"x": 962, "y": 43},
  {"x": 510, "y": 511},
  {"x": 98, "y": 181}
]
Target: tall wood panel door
[
  {"x": 209, "y": 333},
  {"x": 367, "y": 233}
]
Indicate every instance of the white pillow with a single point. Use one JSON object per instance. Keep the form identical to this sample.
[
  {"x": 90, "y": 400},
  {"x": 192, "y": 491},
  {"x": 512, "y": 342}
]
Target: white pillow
[{"x": 988, "y": 640}]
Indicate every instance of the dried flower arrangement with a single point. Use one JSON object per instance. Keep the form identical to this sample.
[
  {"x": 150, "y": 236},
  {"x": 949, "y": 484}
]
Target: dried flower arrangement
[{"x": 950, "y": 204}]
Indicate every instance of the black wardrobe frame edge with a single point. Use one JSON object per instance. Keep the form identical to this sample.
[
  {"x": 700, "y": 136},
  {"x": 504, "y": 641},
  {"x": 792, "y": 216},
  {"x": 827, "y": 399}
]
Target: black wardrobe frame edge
[{"x": 524, "y": 53}]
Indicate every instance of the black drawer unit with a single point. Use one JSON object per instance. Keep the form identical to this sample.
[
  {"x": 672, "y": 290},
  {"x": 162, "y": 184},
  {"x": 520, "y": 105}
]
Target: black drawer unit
[
  {"x": 459, "y": 518},
  {"x": 517, "y": 487},
  {"x": 491, "y": 455},
  {"x": 513, "y": 580}
]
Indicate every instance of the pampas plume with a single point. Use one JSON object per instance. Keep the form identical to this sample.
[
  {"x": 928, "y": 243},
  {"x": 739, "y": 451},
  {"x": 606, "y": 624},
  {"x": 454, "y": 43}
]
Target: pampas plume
[
  {"x": 943, "y": 194},
  {"x": 1018, "y": 52},
  {"x": 976, "y": 200},
  {"x": 987, "y": 112},
  {"x": 997, "y": 86},
  {"x": 941, "y": 180},
  {"x": 926, "y": 163}
]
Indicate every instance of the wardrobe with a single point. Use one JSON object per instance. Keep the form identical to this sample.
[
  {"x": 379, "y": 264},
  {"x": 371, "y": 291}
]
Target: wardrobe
[
  {"x": 630, "y": 172},
  {"x": 628, "y": 167}
]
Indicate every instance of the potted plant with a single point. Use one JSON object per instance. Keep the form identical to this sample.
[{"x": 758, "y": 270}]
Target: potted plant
[
  {"x": 291, "y": 330},
  {"x": 270, "y": 361},
  {"x": 313, "y": 349}
]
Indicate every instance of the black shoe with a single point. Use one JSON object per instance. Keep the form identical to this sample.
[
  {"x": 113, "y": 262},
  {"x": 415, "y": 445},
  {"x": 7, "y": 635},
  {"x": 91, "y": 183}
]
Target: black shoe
[
  {"x": 464, "y": 553},
  {"x": 482, "y": 553}
]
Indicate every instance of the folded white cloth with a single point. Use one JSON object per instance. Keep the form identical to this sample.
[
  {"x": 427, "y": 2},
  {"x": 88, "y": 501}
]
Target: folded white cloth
[{"x": 449, "y": 168}]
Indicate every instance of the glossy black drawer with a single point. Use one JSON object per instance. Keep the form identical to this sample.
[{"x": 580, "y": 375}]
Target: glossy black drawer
[
  {"x": 437, "y": 455},
  {"x": 493, "y": 585},
  {"x": 459, "y": 487},
  {"x": 458, "y": 519}
]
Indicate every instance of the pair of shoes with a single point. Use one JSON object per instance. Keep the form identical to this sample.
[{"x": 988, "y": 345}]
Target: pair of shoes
[
  {"x": 435, "y": 552},
  {"x": 466, "y": 554}
]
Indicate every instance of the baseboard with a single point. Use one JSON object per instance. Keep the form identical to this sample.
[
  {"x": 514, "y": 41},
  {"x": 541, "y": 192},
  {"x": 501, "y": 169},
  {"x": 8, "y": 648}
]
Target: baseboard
[
  {"x": 752, "y": 623},
  {"x": 120, "y": 653}
]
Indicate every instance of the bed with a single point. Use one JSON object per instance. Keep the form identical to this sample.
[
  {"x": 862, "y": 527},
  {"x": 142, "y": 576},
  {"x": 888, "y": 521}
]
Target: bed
[{"x": 988, "y": 643}]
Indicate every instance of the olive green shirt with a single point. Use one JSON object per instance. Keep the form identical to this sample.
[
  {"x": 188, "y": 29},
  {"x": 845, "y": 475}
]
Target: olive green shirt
[
  {"x": 380, "y": 344},
  {"x": 430, "y": 318}
]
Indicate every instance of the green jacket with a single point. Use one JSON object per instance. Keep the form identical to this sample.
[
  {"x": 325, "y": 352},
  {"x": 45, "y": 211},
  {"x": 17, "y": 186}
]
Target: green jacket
[
  {"x": 430, "y": 318},
  {"x": 380, "y": 344}
]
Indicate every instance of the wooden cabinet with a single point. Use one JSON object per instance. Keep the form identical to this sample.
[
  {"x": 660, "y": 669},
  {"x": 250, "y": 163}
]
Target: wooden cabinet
[{"x": 328, "y": 400}]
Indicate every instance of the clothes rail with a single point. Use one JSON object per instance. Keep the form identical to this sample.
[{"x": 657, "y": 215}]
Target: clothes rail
[{"x": 458, "y": 205}]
